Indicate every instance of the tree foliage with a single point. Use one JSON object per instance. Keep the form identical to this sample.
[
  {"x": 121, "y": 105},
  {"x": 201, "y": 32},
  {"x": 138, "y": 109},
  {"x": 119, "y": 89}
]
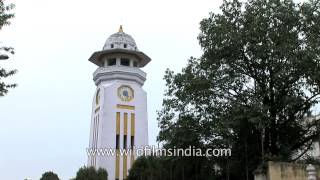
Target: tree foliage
[
  {"x": 147, "y": 168},
  {"x": 49, "y": 176},
  {"x": 253, "y": 87},
  {"x": 168, "y": 168},
  {"x": 5, "y": 16},
  {"x": 90, "y": 173}
]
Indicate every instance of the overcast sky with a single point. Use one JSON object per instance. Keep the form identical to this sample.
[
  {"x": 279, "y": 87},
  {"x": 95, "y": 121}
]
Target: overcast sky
[{"x": 45, "y": 121}]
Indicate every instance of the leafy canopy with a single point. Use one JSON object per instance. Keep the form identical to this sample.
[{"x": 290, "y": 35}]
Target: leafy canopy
[
  {"x": 253, "y": 87},
  {"x": 90, "y": 173},
  {"x": 49, "y": 176},
  {"x": 5, "y": 16}
]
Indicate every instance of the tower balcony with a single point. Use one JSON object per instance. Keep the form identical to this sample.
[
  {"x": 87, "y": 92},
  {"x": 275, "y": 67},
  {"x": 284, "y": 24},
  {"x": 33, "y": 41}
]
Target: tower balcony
[{"x": 110, "y": 73}]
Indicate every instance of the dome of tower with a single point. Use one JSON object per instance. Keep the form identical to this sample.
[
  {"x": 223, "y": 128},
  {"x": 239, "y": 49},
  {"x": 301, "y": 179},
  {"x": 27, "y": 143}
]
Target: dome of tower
[
  {"x": 122, "y": 45},
  {"x": 120, "y": 40}
]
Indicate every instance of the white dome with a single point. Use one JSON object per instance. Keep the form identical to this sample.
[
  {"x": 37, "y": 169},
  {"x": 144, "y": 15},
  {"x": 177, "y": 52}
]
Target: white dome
[
  {"x": 119, "y": 44},
  {"x": 120, "y": 40}
]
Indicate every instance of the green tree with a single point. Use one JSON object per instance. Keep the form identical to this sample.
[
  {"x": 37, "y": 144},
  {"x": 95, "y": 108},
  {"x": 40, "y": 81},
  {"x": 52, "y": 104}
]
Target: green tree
[
  {"x": 148, "y": 168},
  {"x": 90, "y": 173},
  {"x": 252, "y": 89},
  {"x": 5, "y": 16},
  {"x": 169, "y": 168},
  {"x": 49, "y": 176}
]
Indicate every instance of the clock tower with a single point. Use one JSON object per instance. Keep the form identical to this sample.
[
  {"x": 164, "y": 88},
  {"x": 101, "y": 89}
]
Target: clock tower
[{"x": 119, "y": 109}]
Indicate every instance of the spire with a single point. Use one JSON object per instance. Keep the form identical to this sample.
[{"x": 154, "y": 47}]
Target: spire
[{"x": 120, "y": 29}]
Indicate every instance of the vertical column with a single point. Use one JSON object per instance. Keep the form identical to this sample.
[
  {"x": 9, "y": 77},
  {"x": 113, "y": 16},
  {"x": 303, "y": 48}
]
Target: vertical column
[
  {"x": 132, "y": 132},
  {"x": 131, "y": 62},
  {"x": 125, "y": 133},
  {"x": 92, "y": 141},
  {"x": 96, "y": 138},
  {"x": 118, "y": 61},
  {"x": 117, "y": 146}
]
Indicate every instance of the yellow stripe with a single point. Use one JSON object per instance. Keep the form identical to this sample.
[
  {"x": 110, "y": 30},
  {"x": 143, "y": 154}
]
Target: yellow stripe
[
  {"x": 118, "y": 123},
  {"x": 121, "y": 106},
  {"x": 132, "y": 124},
  {"x": 125, "y": 126},
  {"x": 117, "y": 164},
  {"x": 117, "y": 151},
  {"x": 125, "y": 166},
  {"x": 132, "y": 159}
]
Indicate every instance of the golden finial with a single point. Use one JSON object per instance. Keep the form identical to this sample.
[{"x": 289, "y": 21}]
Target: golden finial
[{"x": 120, "y": 29}]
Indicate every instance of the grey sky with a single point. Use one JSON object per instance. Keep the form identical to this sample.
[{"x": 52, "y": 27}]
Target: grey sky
[{"x": 45, "y": 121}]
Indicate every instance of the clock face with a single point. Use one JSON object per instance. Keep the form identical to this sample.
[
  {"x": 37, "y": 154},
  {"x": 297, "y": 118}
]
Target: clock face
[{"x": 125, "y": 93}]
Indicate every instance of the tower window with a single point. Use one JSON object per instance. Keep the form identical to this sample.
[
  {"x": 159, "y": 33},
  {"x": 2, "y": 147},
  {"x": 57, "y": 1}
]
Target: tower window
[
  {"x": 112, "y": 62},
  {"x": 135, "y": 64},
  {"x": 125, "y": 62},
  {"x": 125, "y": 45},
  {"x": 111, "y": 45}
]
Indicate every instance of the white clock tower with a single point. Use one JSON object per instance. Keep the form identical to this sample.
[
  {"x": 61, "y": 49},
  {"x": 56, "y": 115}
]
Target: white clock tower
[{"x": 119, "y": 108}]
